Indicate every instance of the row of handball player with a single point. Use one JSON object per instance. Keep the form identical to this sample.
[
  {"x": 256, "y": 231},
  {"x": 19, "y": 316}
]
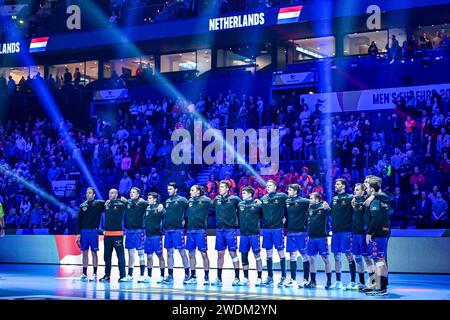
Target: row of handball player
[{"x": 359, "y": 226}]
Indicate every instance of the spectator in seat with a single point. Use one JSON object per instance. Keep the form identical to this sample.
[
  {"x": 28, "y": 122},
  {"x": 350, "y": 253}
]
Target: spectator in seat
[
  {"x": 415, "y": 193},
  {"x": 373, "y": 49},
  {"x": 125, "y": 164},
  {"x": 47, "y": 218},
  {"x": 433, "y": 194},
  {"x": 67, "y": 77},
  {"x": 60, "y": 224},
  {"x": 72, "y": 217},
  {"x": 54, "y": 173},
  {"x": 439, "y": 208},
  {"x": 153, "y": 180},
  {"x": 422, "y": 209},
  {"x": 400, "y": 207},
  {"x": 125, "y": 184},
  {"x": 24, "y": 217},
  {"x": 77, "y": 77},
  {"x": 35, "y": 216},
  {"x": 417, "y": 178},
  {"x": 12, "y": 219}
]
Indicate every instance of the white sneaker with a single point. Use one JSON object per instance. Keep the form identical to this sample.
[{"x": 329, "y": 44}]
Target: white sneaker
[
  {"x": 191, "y": 281},
  {"x": 244, "y": 283},
  {"x": 84, "y": 278},
  {"x": 352, "y": 286},
  {"x": 206, "y": 282},
  {"x": 93, "y": 278},
  {"x": 160, "y": 280},
  {"x": 127, "y": 279},
  {"x": 337, "y": 286},
  {"x": 259, "y": 282},
  {"x": 291, "y": 283},
  {"x": 146, "y": 279},
  {"x": 303, "y": 284},
  {"x": 217, "y": 282},
  {"x": 236, "y": 282}
]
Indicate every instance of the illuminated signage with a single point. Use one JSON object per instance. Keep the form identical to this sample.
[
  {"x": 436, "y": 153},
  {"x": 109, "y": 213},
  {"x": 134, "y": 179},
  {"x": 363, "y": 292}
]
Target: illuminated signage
[
  {"x": 240, "y": 21},
  {"x": 11, "y": 47}
]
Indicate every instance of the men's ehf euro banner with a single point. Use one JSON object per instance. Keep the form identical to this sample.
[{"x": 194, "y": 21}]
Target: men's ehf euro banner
[{"x": 376, "y": 99}]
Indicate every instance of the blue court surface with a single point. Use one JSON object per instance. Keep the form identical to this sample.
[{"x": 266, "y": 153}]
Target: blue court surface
[{"x": 49, "y": 282}]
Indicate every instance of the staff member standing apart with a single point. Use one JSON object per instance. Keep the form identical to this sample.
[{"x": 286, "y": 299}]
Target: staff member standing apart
[
  {"x": 89, "y": 216},
  {"x": 113, "y": 235}
]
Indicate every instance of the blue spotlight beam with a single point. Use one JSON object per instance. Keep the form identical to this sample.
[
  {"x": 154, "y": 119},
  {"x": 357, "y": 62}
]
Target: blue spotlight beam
[
  {"x": 32, "y": 187},
  {"x": 54, "y": 113}
]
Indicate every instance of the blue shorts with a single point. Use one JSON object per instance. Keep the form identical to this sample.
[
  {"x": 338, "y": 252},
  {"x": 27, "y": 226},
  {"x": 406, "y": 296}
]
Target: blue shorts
[
  {"x": 197, "y": 239},
  {"x": 317, "y": 246},
  {"x": 134, "y": 239},
  {"x": 360, "y": 245},
  {"x": 174, "y": 239},
  {"x": 297, "y": 241},
  {"x": 153, "y": 244},
  {"x": 378, "y": 248},
  {"x": 273, "y": 238},
  {"x": 89, "y": 239},
  {"x": 226, "y": 238},
  {"x": 342, "y": 242},
  {"x": 252, "y": 241}
]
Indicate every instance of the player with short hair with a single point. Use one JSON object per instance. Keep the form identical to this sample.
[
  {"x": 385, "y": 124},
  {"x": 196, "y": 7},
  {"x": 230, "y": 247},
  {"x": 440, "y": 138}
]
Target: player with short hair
[
  {"x": 135, "y": 208},
  {"x": 250, "y": 214},
  {"x": 173, "y": 234},
  {"x": 342, "y": 238},
  {"x": 360, "y": 225},
  {"x": 113, "y": 235},
  {"x": 89, "y": 215},
  {"x": 153, "y": 221},
  {"x": 317, "y": 238},
  {"x": 297, "y": 235},
  {"x": 226, "y": 207},
  {"x": 377, "y": 237},
  {"x": 197, "y": 234},
  {"x": 274, "y": 212},
  {"x": 387, "y": 198}
]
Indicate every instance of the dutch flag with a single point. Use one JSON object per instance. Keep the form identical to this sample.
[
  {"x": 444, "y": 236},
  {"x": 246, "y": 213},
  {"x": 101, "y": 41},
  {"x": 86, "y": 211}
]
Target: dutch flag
[
  {"x": 289, "y": 14},
  {"x": 38, "y": 44}
]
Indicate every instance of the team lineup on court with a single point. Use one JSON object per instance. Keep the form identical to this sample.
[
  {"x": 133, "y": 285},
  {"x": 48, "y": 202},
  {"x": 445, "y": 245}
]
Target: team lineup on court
[{"x": 359, "y": 225}]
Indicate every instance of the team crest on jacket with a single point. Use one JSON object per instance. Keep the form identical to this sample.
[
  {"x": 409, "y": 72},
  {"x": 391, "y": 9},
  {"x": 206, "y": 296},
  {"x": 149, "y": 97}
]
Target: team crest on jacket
[
  {"x": 288, "y": 204},
  {"x": 84, "y": 208},
  {"x": 265, "y": 201},
  {"x": 343, "y": 202},
  {"x": 190, "y": 204},
  {"x": 128, "y": 206},
  {"x": 319, "y": 212},
  {"x": 334, "y": 201},
  {"x": 219, "y": 202}
]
